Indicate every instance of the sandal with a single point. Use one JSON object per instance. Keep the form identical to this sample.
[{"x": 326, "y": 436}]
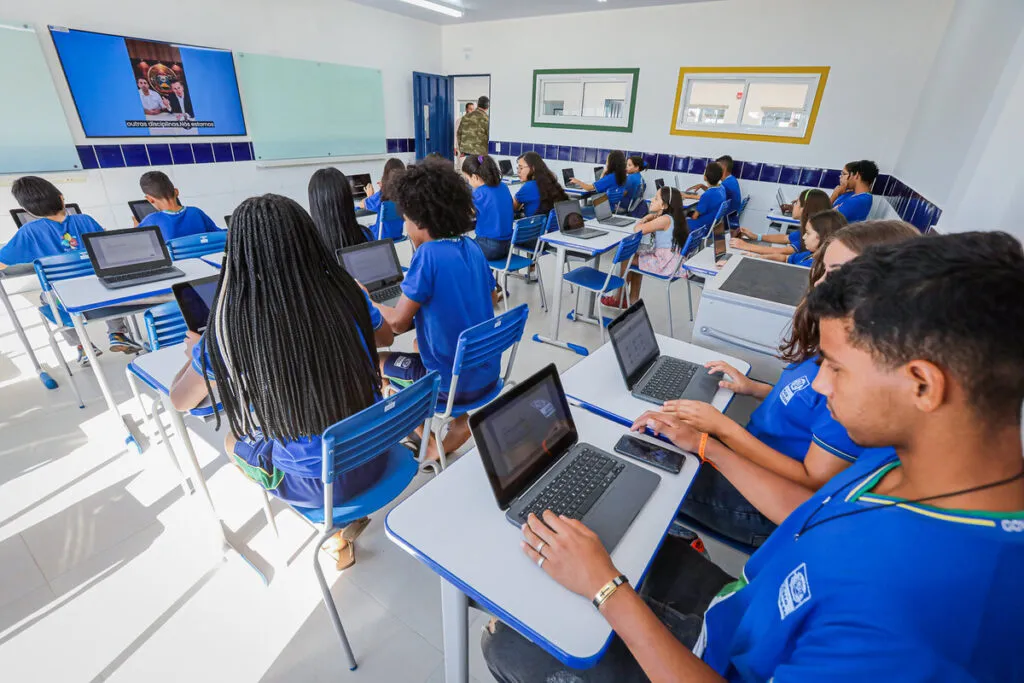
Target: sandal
[
  {"x": 354, "y": 529},
  {"x": 346, "y": 557}
]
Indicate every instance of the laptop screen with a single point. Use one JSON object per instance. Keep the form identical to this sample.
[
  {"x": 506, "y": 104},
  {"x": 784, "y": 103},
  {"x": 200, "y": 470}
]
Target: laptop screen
[
  {"x": 141, "y": 208},
  {"x": 372, "y": 263},
  {"x": 21, "y": 216},
  {"x": 121, "y": 248},
  {"x": 567, "y": 175},
  {"x": 523, "y": 432},
  {"x": 602, "y": 209},
  {"x": 506, "y": 166},
  {"x": 719, "y": 238},
  {"x": 564, "y": 209},
  {"x": 633, "y": 340},
  {"x": 659, "y": 183},
  {"x": 359, "y": 183},
  {"x": 195, "y": 298},
  {"x": 598, "y": 173}
]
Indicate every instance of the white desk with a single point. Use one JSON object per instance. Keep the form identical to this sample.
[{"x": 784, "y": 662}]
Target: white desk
[
  {"x": 596, "y": 382},
  {"x": 16, "y": 271},
  {"x": 776, "y": 218},
  {"x": 82, "y": 294},
  {"x": 216, "y": 259},
  {"x": 476, "y": 552}
]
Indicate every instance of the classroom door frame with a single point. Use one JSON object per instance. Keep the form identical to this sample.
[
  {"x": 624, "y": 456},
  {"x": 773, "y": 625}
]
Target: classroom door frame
[
  {"x": 455, "y": 100},
  {"x": 434, "y": 112}
]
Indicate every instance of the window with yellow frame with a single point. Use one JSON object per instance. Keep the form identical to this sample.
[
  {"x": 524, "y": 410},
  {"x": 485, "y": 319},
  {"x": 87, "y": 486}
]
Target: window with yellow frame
[{"x": 764, "y": 103}]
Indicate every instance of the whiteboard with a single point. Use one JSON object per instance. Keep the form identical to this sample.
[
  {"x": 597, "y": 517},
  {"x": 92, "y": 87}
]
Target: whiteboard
[
  {"x": 34, "y": 133},
  {"x": 299, "y": 109}
]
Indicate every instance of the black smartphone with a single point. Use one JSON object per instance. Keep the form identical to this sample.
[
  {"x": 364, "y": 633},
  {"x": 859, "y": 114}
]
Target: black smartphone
[{"x": 650, "y": 453}]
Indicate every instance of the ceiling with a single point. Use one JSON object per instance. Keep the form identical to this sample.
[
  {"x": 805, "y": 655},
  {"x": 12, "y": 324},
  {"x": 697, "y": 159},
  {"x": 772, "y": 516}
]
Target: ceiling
[{"x": 491, "y": 10}]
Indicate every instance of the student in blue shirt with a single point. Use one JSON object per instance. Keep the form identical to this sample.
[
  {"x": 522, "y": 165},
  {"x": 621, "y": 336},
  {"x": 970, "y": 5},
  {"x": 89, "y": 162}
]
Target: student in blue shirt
[
  {"x": 56, "y": 232},
  {"x": 817, "y": 231},
  {"x": 382, "y": 194},
  {"x": 635, "y": 165},
  {"x": 852, "y": 197},
  {"x": 612, "y": 182},
  {"x": 173, "y": 219},
  {"x": 447, "y": 289},
  {"x": 859, "y": 583},
  {"x": 290, "y": 347},
  {"x": 493, "y": 203},
  {"x": 806, "y": 204},
  {"x": 540, "y": 190},
  {"x": 710, "y": 200},
  {"x": 729, "y": 183},
  {"x": 333, "y": 210}
]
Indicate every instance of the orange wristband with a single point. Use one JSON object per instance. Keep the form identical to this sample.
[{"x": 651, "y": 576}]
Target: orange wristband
[{"x": 703, "y": 447}]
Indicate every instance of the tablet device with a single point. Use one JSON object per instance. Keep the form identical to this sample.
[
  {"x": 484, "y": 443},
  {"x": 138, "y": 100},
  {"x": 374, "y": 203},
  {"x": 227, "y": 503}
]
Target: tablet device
[{"x": 195, "y": 298}]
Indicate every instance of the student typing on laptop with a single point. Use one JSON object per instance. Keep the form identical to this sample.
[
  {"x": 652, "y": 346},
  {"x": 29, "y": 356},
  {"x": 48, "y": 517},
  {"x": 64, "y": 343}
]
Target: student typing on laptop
[
  {"x": 860, "y": 582},
  {"x": 56, "y": 232}
]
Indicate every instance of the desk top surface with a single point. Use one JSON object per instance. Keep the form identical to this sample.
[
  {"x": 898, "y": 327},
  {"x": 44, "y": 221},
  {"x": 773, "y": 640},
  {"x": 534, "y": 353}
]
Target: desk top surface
[{"x": 86, "y": 293}]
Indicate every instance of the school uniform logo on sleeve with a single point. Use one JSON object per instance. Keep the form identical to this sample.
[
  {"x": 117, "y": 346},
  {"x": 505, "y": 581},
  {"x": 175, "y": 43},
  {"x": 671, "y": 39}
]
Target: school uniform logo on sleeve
[
  {"x": 794, "y": 591},
  {"x": 790, "y": 391}
]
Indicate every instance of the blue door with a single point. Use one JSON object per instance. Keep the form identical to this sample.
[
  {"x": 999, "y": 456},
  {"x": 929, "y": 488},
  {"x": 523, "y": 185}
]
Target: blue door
[{"x": 432, "y": 107}]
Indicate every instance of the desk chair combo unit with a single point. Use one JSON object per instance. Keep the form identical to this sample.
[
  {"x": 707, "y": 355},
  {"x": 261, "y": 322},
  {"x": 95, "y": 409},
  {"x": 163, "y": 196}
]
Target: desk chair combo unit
[
  {"x": 525, "y": 233},
  {"x": 598, "y": 283}
]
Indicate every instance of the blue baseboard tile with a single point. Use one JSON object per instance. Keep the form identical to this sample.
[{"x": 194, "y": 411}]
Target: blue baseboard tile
[
  {"x": 87, "y": 155},
  {"x": 202, "y": 152},
  {"x": 697, "y": 165},
  {"x": 109, "y": 156},
  {"x": 241, "y": 151},
  {"x": 392, "y": 145},
  {"x": 751, "y": 170},
  {"x": 811, "y": 177},
  {"x": 790, "y": 175},
  {"x": 222, "y": 152},
  {"x": 135, "y": 155},
  {"x": 182, "y": 154},
  {"x": 770, "y": 173}
]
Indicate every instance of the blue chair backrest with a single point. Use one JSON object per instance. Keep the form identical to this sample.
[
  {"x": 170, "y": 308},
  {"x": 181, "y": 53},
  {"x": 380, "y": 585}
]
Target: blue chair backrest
[
  {"x": 693, "y": 243},
  {"x": 525, "y": 231},
  {"x": 51, "y": 269},
  {"x": 615, "y": 196},
  {"x": 639, "y": 197},
  {"x": 482, "y": 343},
  {"x": 361, "y": 437},
  {"x": 552, "y": 224},
  {"x": 627, "y": 248},
  {"x": 390, "y": 223},
  {"x": 723, "y": 210},
  {"x": 194, "y": 246},
  {"x": 165, "y": 326}
]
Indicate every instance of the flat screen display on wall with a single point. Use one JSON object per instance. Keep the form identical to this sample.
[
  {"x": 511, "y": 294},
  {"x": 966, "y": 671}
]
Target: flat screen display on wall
[{"x": 127, "y": 87}]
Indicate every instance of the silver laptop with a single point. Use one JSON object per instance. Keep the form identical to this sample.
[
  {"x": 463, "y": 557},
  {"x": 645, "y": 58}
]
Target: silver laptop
[
  {"x": 603, "y": 212},
  {"x": 781, "y": 197},
  {"x": 718, "y": 239},
  {"x": 375, "y": 265},
  {"x": 534, "y": 461},
  {"x": 568, "y": 214},
  {"x": 124, "y": 258},
  {"x": 649, "y": 375},
  {"x": 505, "y": 166}
]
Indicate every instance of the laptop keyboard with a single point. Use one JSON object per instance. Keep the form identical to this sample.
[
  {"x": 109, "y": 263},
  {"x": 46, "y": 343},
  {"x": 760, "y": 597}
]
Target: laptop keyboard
[
  {"x": 136, "y": 276},
  {"x": 576, "y": 488},
  {"x": 382, "y": 295},
  {"x": 670, "y": 379}
]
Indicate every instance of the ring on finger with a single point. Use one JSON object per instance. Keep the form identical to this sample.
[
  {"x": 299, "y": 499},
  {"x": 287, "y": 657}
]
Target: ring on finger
[
  {"x": 541, "y": 547},
  {"x": 540, "y": 561}
]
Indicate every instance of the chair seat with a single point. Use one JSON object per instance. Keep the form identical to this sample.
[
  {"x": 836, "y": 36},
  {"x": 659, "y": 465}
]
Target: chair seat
[
  {"x": 592, "y": 279},
  {"x": 401, "y": 469},
  {"x": 517, "y": 262},
  {"x": 96, "y": 314},
  {"x": 459, "y": 409},
  {"x": 656, "y": 276}
]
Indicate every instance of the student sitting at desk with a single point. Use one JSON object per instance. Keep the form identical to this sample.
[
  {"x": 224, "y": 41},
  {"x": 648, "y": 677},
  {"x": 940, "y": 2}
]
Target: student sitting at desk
[
  {"x": 493, "y": 203},
  {"x": 860, "y": 583},
  {"x": 710, "y": 200},
  {"x": 290, "y": 349},
  {"x": 56, "y": 232},
  {"x": 540, "y": 190},
  {"x": 729, "y": 184},
  {"x": 614, "y": 178},
  {"x": 173, "y": 219},
  {"x": 447, "y": 289},
  {"x": 852, "y": 197},
  {"x": 809, "y": 202},
  {"x": 333, "y": 210},
  {"x": 374, "y": 198},
  {"x": 635, "y": 165},
  {"x": 819, "y": 230}
]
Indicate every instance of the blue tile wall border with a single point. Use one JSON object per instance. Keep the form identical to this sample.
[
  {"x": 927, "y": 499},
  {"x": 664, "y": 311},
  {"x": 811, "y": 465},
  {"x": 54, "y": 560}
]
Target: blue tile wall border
[
  {"x": 87, "y": 155},
  {"x": 135, "y": 155},
  {"x": 203, "y": 152},
  {"x": 109, "y": 156},
  {"x": 222, "y": 152},
  {"x": 182, "y": 154},
  {"x": 241, "y": 151}
]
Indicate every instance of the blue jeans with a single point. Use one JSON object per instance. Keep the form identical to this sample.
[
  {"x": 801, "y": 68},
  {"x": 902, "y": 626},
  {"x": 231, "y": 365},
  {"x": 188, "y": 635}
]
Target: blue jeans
[
  {"x": 493, "y": 249},
  {"x": 716, "y": 504}
]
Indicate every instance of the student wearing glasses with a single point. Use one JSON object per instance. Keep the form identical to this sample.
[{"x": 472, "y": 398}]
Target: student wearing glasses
[{"x": 852, "y": 197}]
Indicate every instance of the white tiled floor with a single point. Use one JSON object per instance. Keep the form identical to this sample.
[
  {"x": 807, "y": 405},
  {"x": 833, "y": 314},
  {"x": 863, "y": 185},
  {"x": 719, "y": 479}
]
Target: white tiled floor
[{"x": 107, "y": 572}]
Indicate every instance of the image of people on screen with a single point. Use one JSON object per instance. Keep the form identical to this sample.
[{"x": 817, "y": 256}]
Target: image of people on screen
[
  {"x": 152, "y": 102},
  {"x": 179, "y": 102},
  {"x": 163, "y": 87}
]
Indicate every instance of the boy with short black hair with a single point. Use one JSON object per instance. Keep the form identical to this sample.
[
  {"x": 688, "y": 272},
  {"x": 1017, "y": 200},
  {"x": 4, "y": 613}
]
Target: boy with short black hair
[
  {"x": 731, "y": 187},
  {"x": 173, "y": 219},
  {"x": 711, "y": 199},
  {"x": 852, "y": 197},
  {"x": 54, "y": 232}
]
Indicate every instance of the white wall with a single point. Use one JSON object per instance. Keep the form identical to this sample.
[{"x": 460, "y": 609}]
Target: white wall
[{"x": 880, "y": 52}]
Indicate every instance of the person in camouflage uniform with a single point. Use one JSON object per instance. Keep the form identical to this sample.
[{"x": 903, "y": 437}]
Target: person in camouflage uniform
[{"x": 474, "y": 129}]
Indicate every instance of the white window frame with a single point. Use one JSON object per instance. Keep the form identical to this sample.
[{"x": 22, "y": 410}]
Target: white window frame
[{"x": 627, "y": 77}]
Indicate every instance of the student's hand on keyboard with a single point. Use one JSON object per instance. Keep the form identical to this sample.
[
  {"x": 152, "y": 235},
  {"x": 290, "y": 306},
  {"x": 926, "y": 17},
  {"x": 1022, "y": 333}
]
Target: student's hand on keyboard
[
  {"x": 671, "y": 427},
  {"x": 573, "y": 554},
  {"x": 703, "y": 417},
  {"x": 735, "y": 382}
]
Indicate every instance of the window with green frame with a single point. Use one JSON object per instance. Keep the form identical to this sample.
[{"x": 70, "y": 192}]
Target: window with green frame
[{"x": 585, "y": 99}]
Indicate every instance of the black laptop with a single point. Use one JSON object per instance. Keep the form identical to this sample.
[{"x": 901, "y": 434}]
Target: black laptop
[
  {"x": 195, "y": 299},
  {"x": 649, "y": 375},
  {"x": 659, "y": 183},
  {"x": 570, "y": 221},
  {"x": 603, "y": 212},
  {"x": 21, "y": 216},
  {"x": 359, "y": 182},
  {"x": 505, "y": 165},
  {"x": 375, "y": 265},
  {"x": 123, "y": 258},
  {"x": 141, "y": 208},
  {"x": 534, "y": 461},
  {"x": 567, "y": 175},
  {"x": 598, "y": 173}
]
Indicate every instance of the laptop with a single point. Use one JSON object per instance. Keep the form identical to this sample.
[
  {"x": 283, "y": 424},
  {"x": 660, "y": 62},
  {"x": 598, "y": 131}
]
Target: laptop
[
  {"x": 570, "y": 221},
  {"x": 141, "y": 208},
  {"x": 783, "y": 203},
  {"x": 598, "y": 173},
  {"x": 359, "y": 183},
  {"x": 21, "y": 216},
  {"x": 603, "y": 212},
  {"x": 534, "y": 461},
  {"x": 567, "y": 175},
  {"x": 123, "y": 258},
  {"x": 505, "y": 166},
  {"x": 375, "y": 265},
  {"x": 649, "y": 375},
  {"x": 718, "y": 240},
  {"x": 195, "y": 299},
  {"x": 659, "y": 183}
]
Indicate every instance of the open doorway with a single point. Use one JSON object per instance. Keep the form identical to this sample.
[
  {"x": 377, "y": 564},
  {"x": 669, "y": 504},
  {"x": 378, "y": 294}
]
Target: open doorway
[{"x": 467, "y": 90}]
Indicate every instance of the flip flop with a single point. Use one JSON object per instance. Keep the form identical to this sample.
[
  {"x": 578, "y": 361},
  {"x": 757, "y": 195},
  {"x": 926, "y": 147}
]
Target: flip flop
[
  {"x": 346, "y": 557},
  {"x": 354, "y": 529}
]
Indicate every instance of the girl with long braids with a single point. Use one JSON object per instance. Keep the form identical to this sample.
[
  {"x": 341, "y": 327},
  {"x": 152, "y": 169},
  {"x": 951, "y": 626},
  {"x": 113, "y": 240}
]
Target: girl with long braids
[{"x": 290, "y": 348}]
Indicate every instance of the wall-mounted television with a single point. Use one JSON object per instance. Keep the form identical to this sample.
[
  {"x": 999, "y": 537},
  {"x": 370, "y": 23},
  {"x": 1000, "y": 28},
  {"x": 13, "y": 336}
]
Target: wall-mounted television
[{"x": 129, "y": 87}]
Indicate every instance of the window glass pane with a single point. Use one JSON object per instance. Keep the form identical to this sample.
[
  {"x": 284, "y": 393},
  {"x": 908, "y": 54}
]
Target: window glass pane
[
  {"x": 776, "y": 105},
  {"x": 562, "y": 98},
  {"x": 714, "y": 102},
  {"x": 604, "y": 99}
]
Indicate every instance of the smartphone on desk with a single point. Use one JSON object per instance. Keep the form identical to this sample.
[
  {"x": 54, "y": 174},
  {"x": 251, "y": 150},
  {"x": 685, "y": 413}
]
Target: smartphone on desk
[{"x": 650, "y": 453}]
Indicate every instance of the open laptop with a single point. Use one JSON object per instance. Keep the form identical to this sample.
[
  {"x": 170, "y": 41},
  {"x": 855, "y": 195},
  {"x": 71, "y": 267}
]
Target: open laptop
[
  {"x": 659, "y": 183},
  {"x": 141, "y": 208},
  {"x": 21, "y": 216},
  {"x": 718, "y": 240},
  {"x": 505, "y": 165},
  {"x": 567, "y": 175},
  {"x": 534, "y": 461},
  {"x": 195, "y": 299},
  {"x": 564, "y": 212},
  {"x": 123, "y": 258},
  {"x": 603, "y": 212},
  {"x": 781, "y": 197},
  {"x": 375, "y": 265},
  {"x": 649, "y": 375},
  {"x": 359, "y": 183},
  {"x": 598, "y": 173}
]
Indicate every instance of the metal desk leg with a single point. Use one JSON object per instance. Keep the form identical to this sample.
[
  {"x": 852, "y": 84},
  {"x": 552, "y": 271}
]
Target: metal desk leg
[
  {"x": 556, "y": 309},
  {"x": 44, "y": 376},
  {"x": 455, "y": 622}
]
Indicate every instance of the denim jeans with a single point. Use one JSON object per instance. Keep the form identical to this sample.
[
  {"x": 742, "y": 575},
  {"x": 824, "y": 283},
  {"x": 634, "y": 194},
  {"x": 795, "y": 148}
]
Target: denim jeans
[
  {"x": 716, "y": 504},
  {"x": 493, "y": 249},
  {"x": 678, "y": 589}
]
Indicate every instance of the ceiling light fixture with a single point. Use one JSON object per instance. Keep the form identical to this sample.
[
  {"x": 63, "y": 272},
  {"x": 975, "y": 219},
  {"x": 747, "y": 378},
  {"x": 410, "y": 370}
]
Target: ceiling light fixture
[{"x": 435, "y": 7}]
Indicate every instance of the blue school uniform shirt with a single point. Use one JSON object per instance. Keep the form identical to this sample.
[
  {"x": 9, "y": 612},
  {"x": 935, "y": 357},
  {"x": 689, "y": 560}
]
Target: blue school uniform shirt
[
  {"x": 494, "y": 211},
  {"x": 875, "y": 596},
  {"x": 373, "y": 202},
  {"x": 451, "y": 281},
  {"x": 707, "y": 207},
  {"x": 794, "y": 415},
  {"x": 633, "y": 183},
  {"x": 855, "y": 207},
  {"x": 732, "y": 193},
  {"x": 294, "y": 467},
  {"x": 607, "y": 182},
  {"x": 794, "y": 240},
  {"x": 43, "y": 237},
  {"x": 529, "y": 196},
  {"x": 801, "y": 258},
  {"x": 189, "y": 220}
]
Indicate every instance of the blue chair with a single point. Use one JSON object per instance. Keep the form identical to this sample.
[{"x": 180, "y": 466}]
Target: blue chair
[
  {"x": 601, "y": 283},
  {"x": 525, "y": 233},
  {"x": 194, "y": 246},
  {"x": 390, "y": 224},
  {"x": 615, "y": 195},
  {"x": 476, "y": 346},
  {"x": 690, "y": 247},
  {"x": 737, "y": 215},
  {"x": 636, "y": 202},
  {"x": 374, "y": 432}
]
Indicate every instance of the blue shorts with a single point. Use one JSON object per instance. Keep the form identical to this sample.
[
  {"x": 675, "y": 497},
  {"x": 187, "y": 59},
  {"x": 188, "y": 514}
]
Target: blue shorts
[{"x": 402, "y": 369}]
